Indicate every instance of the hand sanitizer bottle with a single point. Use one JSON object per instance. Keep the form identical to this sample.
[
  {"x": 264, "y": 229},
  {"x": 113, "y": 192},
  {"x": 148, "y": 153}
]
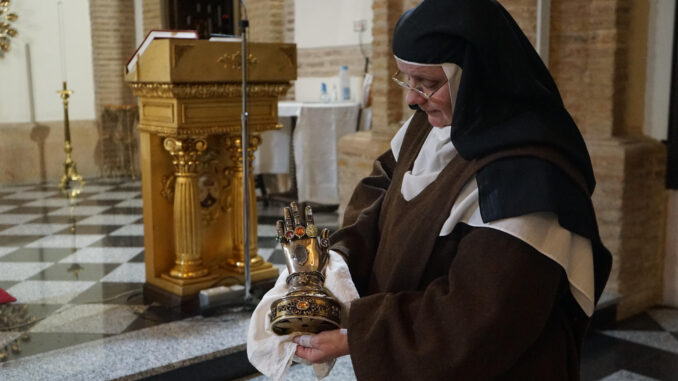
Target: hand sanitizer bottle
[
  {"x": 324, "y": 95},
  {"x": 344, "y": 84}
]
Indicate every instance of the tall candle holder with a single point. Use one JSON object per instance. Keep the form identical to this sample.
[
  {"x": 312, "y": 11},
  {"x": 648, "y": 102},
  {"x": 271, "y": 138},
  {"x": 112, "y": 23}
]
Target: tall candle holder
[{"x": 71, "y": 183}]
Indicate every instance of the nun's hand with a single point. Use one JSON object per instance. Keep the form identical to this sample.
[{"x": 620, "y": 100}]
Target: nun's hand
[{"x": 323, "y": 346}]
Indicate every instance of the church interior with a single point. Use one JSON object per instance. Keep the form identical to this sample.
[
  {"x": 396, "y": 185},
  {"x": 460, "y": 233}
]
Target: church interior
[{"x": 122, "y": 179}]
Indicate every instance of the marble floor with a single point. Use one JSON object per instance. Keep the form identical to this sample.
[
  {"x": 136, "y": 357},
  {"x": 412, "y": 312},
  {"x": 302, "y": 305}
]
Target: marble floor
[{"x": 77, "y": 273}]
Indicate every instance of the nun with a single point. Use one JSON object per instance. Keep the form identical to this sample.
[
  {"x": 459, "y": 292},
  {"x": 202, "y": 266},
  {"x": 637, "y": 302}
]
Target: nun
[{"x": 473, "y": 244}]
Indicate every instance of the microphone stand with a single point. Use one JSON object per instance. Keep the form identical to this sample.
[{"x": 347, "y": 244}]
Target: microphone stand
[
  {"x": 214, "y": 300},
  {"x": 244, "y": 140}
]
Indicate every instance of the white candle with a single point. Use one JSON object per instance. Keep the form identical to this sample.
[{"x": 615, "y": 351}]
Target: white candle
[
  {"x": 29, "y": 73},
  {"x": 62, "y": 42}
]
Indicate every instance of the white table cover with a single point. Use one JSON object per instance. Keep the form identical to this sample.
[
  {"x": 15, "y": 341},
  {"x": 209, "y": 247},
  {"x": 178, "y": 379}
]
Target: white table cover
[
  {"x": 273, "y": 155},
  {"x": 318, "y": 129},
  {"x": 319, "y": 126}
]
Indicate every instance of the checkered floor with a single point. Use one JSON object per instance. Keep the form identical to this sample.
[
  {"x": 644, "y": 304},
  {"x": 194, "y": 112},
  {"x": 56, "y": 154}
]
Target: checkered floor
[
  {"x": 642, "y": 348},
  {"x": 77, "y": 272},
  {"x": 77, "y": 269}
]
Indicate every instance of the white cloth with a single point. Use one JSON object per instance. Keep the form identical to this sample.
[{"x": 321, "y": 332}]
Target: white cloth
[
  {"x": 273, "y": 155},
  {"x": 318, "y": 129},
  {"x": 271, "y": 354},
  {"x": 540, "y": 230}
]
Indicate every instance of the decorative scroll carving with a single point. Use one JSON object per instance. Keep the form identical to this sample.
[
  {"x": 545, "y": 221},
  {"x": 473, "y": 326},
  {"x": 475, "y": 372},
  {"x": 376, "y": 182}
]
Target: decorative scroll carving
[
  {"x": 219, "y": 130},
  {"x": 234, "y": 60},
  {"x": 167, "y": 191},
  {"x": 207, "y": 90},
  {"x": 213, "y": 186}
]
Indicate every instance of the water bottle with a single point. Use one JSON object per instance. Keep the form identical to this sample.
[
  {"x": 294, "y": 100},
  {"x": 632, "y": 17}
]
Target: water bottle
[{"x": 344, "y": 83}]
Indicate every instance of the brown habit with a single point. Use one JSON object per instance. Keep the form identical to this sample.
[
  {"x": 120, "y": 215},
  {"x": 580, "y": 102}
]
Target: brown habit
[{"x": 477, "y": 304}]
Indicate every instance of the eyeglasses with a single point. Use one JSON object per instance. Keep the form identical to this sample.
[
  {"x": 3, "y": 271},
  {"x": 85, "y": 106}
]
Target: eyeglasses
[{"x": 419, "y": 89}]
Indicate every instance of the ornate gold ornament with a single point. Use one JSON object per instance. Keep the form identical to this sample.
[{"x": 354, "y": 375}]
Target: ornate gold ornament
[
  {"x": 233, "y": 61},
  {"x": 213, "y": 186},
  {"x": 167, "y": 191},
  {"x": 15, "y": 322},
  {"x": 206, "y": 90},
  {"x": 307, "y": 306},
  {"x": 6, "y": 29}
]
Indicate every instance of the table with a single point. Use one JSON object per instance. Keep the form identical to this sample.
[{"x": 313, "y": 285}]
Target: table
[{"x": 314, "y": 129}]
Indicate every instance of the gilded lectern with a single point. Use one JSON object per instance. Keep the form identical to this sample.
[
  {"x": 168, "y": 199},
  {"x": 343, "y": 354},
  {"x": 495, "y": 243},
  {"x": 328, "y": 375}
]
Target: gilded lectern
[{"x": 189, "y": 121}]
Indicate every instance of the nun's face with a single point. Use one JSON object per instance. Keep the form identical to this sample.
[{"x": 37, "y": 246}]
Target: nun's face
[{"x": 439, "y": 106}]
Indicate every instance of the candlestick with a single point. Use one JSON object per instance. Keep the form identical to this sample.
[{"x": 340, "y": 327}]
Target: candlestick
[{"x": 71, "y": 183}]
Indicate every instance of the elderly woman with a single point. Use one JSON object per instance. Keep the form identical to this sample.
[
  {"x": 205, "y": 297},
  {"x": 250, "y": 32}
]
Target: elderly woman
[{"x": 473, "y": 243}]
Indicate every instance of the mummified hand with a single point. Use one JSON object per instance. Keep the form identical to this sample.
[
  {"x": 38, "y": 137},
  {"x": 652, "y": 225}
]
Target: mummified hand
[{"x": 305, "y": 250}]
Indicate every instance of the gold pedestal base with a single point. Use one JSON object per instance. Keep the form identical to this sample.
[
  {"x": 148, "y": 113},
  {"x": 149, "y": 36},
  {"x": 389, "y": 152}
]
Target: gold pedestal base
[
  {"x": 261, "y": 271},
  {"x": 238, "y": 265},
  {"x": 211, "y": 278},
  {"x": 219, "y": 275},
  {"x": 302, "y": 312},
  {"x": 189, "y": 270}
]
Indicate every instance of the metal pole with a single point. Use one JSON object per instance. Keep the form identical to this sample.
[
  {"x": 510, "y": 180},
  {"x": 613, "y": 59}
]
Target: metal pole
[{"x": 244, "y": 140}]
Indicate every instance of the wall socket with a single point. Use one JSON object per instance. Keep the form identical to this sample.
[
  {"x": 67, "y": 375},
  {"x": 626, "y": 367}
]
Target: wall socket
[{"x": 359, "y": 25}]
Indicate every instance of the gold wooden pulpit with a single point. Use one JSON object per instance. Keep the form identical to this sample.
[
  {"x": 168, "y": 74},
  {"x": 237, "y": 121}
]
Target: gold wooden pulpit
[{"x": 191, "y": 168}]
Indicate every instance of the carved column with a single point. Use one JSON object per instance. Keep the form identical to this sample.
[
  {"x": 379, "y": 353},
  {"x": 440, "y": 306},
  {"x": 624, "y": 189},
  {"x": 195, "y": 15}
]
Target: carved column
[
  {"x": 236, "y": 262},
  {"x": 187, "y": 239}
]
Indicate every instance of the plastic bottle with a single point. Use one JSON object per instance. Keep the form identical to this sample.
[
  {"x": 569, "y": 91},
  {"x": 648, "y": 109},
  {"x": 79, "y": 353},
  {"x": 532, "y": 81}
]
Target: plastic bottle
[
  {"x": 344, "y": 83},
  {"x": 334, "y": 94},
  {"x": 324, "y": 95}
]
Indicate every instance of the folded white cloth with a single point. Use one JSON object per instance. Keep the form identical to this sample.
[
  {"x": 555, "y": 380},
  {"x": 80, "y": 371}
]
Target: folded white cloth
[{"x": 271, "y": 354}]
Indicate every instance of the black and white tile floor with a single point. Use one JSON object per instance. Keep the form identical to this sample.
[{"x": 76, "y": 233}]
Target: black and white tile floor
[
  {"x": 77, "y": 270},
  {"x": 643, "y": 347}
]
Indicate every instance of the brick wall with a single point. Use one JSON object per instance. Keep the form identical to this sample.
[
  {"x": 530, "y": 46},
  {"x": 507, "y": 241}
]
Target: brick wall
[
  {"x": 588, "y": 61},
  {"x": 325, "y": 61},
  {"x": 154, "y": 11},
  {"x": 632, "y": 227},
  {"x": 525, "y": 14},
  {"x": 267, "y": 20},
  {"x": 288, "y": 21},
  {"x": 387, "y": 109},
  {"x": 113, "y": 41}
]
